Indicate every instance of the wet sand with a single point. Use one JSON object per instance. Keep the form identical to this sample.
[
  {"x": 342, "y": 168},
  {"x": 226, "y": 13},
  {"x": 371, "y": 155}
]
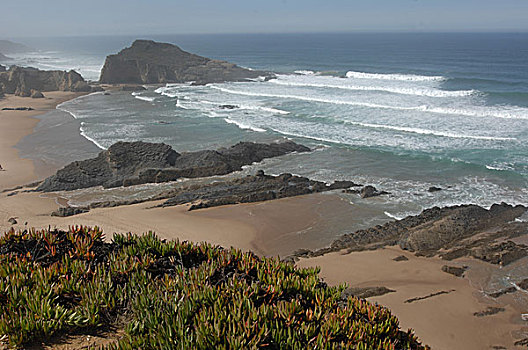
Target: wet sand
[{"x": 14, "y": 125}]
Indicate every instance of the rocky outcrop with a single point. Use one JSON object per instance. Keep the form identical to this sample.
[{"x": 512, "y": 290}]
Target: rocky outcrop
[
  {"x": 21, "y": 80},
  {"x": 17, "y": 109},
  {"x": 36, "y": 94},
  {"x": 366, "y": 292},
  {"x": 451, "y": 232},
  {"x": 133, "y": 163},
  {"x": 2, "y": 68},
  {"x": 200, "y": 195},
  {"x": 454, "y": 270},
  {"x": 68, "y": 211},
  {"x": 149, "y": 62},
  {"x": 256, "y": 188},
  {"x": 119, "y": 162}
]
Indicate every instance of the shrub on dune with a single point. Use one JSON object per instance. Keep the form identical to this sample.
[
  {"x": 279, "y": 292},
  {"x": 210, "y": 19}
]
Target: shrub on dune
[{"x": 172, "y": 294}]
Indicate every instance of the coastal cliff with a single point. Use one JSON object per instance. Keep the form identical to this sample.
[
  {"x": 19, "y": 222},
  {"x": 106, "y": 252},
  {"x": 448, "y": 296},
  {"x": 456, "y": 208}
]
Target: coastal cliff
[
  {"x": 149, "y": 62},
  {"x": 23, "y": 81}
]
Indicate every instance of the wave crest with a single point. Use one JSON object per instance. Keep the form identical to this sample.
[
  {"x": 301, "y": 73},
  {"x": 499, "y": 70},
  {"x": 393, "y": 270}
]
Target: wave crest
[{"x": 402, "y": 77}]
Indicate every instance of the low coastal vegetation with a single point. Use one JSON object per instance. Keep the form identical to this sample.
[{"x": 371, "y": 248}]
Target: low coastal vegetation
[{"x": 168, "y": 294}]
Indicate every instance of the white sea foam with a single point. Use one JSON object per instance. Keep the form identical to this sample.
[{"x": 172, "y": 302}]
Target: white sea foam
[
  {"x": 474, "y": 111},
  {"x": 83, "y": 134},
  {"x": 180, "y": 105},
  {"x": 505, "y": 112},
  {"x": 245, "y": 107},
  {"x": 166, "y": 91},
  {"x": 312, "y": 137},
  {"x": 432, "y": 132},
  {"x": 339, "y": 83},
  {"x": 145, "y": 98},
  {"x": 402, "y": 77},
  {"x": 304, "y": 72},
  {"x": 243, "y": 125},
  {"x": 392, "y": 216}
]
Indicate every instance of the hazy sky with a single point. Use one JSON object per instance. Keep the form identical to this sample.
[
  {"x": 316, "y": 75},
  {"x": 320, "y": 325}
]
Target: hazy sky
[{"x": 86, "y": 17}]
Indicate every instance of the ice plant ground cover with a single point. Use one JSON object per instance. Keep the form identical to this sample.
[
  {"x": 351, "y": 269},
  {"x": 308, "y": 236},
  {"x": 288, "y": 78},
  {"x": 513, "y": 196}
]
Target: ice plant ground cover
[{"x": 170, "y": 294}]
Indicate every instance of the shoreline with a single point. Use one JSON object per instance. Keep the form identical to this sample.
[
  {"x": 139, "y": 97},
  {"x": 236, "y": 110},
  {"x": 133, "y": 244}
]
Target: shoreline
[
  {"x": 15, "y": 125},
  {"x": 269, "y": 229}
]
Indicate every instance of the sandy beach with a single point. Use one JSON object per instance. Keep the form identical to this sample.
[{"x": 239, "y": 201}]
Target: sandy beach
[
  {"x": 271, "y": 228},
  {"x": 14, "y": 125},
  {"x": 445, "y": 321}
]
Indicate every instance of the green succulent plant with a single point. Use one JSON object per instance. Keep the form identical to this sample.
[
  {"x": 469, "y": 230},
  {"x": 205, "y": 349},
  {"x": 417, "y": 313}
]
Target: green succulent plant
[{"x": 177, "y": 295}]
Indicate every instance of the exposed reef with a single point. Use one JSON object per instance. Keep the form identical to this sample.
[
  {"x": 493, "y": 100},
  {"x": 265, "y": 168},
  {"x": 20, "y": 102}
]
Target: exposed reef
[
  {"x": 249, "y": 189},
  {"x": 450, "y": 232}
]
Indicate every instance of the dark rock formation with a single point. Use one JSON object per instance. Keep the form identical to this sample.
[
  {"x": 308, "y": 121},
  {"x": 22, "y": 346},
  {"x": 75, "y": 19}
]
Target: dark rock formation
[
  {"x": 451, "y": 232},
  {"x": 491, "y": 310},
  {"x": 68, "y": 211},
  {"x": 17, "y": 109},
  {"x": 523, "y": 284},
  {"x": 370, "y": 191},
  {"x": 412, "y": 300},
  {"x": 434, "y": 189},
  {"x": 259, "y": 187},
  {"x": 401, "y": 258},
  {"x": 249, "y": 189},
  {"x": 502, "y": 292},
  {"x": 36, "y": 94},
  {"x": 228, "y": 107},
  {"x": 20, "y": 81},
  {"x": 366, "y": 292},
  {"x": 132, "y": 163},
  {"x": 120, "y": 161},
  {"x": 149, "y": 62},
  {"x": 2, "y": 68},
  {"x": 454, "y": 270}
]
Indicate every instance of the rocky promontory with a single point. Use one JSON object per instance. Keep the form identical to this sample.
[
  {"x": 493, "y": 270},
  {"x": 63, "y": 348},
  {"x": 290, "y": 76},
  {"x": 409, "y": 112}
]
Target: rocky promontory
[
  {"x": 22, "y": 80},
  {"x": 133, "y": 163},
  {"x": 150, "y": 62}
]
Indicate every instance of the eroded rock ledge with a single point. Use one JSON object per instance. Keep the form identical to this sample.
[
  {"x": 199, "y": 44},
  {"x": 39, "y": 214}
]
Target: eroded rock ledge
[
  {"x": 450, "y": 232},
  {"x": 134, "y": 163},
  {"x": 249, "y": 189}
]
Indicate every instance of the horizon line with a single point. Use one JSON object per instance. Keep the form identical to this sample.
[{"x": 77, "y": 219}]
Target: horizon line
[{"x": 524, "y": 31}]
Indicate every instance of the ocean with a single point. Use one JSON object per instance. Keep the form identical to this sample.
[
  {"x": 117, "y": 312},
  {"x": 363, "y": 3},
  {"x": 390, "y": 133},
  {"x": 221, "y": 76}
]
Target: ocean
[{"x": 402, "y": 112}]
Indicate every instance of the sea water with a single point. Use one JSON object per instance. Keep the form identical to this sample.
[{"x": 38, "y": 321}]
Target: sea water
[{"x": 402, "y": 112}]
